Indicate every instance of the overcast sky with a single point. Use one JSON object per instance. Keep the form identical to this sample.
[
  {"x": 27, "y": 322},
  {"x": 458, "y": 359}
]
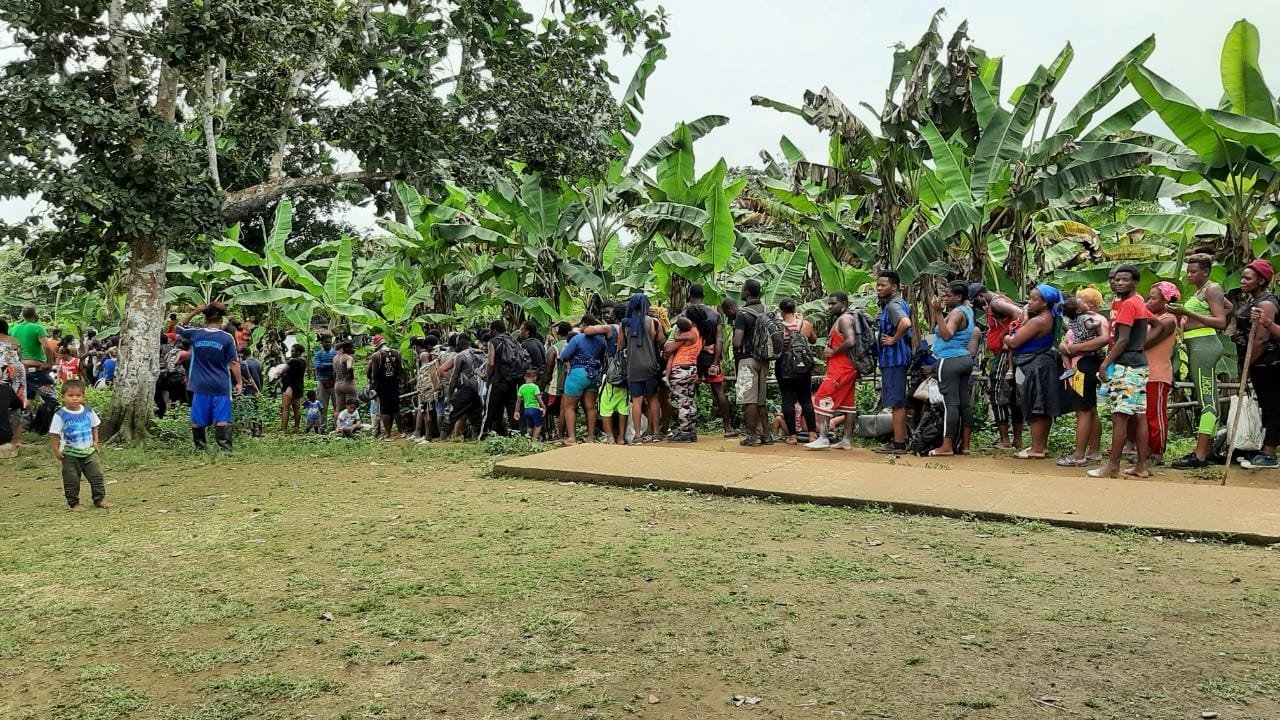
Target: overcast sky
[{"x": 724, "y": 51}]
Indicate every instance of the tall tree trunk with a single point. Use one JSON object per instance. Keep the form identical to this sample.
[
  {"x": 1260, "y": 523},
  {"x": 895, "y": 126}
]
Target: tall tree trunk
[{"x": 133, "y": 397}]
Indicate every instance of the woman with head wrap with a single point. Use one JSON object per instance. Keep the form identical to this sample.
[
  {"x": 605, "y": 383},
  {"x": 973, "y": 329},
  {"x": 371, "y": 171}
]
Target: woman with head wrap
[
  {"x": 640, "y": 339},
  {"x": 1036, "y": 367},
  {"x": 1256, "y": 324},
  {"x": 1203, "y": 316},
  {"x": 1084, "y": 344},
  {"x": 1160, "y": 337}
]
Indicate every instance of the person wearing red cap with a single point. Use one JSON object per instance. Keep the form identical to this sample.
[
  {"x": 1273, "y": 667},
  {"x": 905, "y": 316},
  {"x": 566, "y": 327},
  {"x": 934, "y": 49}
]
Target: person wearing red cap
[{"x": 1259, "y": 308}]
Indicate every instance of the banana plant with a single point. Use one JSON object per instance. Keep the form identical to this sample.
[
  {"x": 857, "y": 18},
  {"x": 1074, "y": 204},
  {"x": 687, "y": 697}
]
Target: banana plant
[{"x": 1223, "y": 168}]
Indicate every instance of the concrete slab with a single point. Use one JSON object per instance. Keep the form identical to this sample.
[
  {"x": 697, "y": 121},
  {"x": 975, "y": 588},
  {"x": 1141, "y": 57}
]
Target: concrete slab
[{"x": 1245, "y": 514}]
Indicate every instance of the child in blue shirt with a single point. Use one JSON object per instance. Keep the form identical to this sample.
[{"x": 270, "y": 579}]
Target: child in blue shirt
[
  {"x": 73, "y": 434},
  {"x": 313, "y": 410}
]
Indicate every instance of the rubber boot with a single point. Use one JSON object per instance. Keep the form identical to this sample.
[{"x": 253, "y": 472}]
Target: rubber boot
[
  {"x": 200, "y": 438},
  {"x": 223, "y": 435}
]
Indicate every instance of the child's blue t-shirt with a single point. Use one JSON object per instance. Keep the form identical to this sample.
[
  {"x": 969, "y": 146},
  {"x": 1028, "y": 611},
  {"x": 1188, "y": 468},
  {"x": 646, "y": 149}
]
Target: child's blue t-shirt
[
  {"x": 75, "y": 429},
  {"x": 212, "y": 352},
  {"x": 313, "y": 409},
  {"x": 108, "y": 369}
]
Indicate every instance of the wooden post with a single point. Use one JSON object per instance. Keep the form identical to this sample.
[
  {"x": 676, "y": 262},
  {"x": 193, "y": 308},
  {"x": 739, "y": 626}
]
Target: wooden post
[{"x": 1235, "y": 422}]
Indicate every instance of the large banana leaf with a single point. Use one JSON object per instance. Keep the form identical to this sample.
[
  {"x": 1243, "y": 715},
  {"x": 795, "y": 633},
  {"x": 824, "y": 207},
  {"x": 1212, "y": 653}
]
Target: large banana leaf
[
  {"x": 926, "y": 253},
  {"x": 1123, "y": 119},
  {"x": 544, "y": 206},
  {"x": 675, "y": 168},
  {"x": 268, "y": 296},
  {"x": 985, "y": 101},
  {"x": 830, "y": 271},
  {"x": 410, "y": 201},
  {"x": 1173, "y": 224},
  {"x": 950, "y": 164},
  {"x": 1105, "y": 90},
  {"x": 457, "y": 232},
  {"x": 788, "y": 281},
  {"x": 1001, "y": 141},
  {"x": 1242, "y": 75},
  {"x": 356, "y": 312},
  {"x": 718, "y": 232},
  {"x": 1259, "y": 134},
  {"x": 1180, "y": 113},
  {"x": 230, "y": 251},
  {"x": 666, "y": 145},
  {"x": 678, "y": 259},
  {"x": 689, "y": 215},
  {"x": 394, "y": 299},
  {"x": 300, "y": 314},
  {"x": 790, "y": 151},
  {"x": 337, "y": 280},
  {"x": 1106, "y": 160},
  {"x": 630, "y": 106},
  {"x": 772, "y": 104}
]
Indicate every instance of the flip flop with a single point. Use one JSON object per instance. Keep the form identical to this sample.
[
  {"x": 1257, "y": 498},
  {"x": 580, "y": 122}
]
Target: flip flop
[
  {"x": 1099, "y": 473},
  {"x": 1025, "y": 455},
  {"x": 935, "y": 453},
  {"x": 1068, "y": 461},
  {"x": 1133, "y": 472}
]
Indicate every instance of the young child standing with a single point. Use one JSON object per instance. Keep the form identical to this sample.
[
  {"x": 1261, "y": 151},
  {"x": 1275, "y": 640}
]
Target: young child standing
[
  {"x": 313, "y": 410},
  {"x": 349, "y": 420},
  {"x": 375, "y": 417},
  {"x": 529, "y": 404},
  {"x": 73, "y": 434}
]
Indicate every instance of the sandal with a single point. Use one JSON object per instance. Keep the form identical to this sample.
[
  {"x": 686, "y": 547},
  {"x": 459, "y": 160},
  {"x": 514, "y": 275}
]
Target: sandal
[
  {"x": 749, "y": 442},
  {"x": 1100, "y": 473},
  {"x": 1068, "y": 461},
  {"x": 935, "y": 453},
  {"x": 1025, "y": 454},
  {"x": 1133, "y": 472}
]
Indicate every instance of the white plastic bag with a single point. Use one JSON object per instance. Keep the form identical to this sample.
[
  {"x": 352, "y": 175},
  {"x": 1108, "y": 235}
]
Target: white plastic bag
[
  {"x": 1249, "y": 432},
  {"x": 935, "y": 392}
]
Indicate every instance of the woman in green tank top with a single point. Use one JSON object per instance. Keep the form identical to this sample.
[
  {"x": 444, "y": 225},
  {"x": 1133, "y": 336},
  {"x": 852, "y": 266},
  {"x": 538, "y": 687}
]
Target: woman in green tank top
[{"x": 1203, "y": 317}]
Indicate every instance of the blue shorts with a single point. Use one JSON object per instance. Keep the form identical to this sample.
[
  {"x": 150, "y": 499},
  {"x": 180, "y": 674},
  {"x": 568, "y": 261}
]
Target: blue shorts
[
  {"x": 209, "y": 410},
  {"x": 642, "y": 388},
  {"x": 578, "y": 382},
  {"x": 533, "y": 417},
  {"x": 893, "y": 387}
]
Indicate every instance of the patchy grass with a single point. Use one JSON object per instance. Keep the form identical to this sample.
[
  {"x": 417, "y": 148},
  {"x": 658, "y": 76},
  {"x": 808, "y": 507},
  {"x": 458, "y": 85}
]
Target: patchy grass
[{"x": 355, "y": 580}]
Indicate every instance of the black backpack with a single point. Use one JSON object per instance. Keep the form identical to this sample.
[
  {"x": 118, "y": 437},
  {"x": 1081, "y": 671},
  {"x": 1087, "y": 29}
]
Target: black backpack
[
  {"x": 865, "y": 343},
  {"x": 927, "y": 434},
  {"x": 510, "y": 359},
  {"x": 796, "y": 359},
  {"x": 766, "y": 335},
  {"x": 615, "y": 372}
]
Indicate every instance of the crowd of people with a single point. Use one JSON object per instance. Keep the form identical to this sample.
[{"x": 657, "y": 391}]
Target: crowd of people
[{"x": 633, "y": 375}]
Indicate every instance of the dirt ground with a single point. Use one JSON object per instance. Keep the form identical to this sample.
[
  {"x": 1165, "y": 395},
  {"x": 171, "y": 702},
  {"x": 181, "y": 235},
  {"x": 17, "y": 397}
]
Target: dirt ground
[{"x": 404, "y": 582}]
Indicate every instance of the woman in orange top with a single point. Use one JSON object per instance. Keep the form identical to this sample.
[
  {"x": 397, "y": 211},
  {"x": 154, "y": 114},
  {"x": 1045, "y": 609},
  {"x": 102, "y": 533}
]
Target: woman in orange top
[
  {"x": 682, "y": 372},
  {"x": 1160, "y": 338}
]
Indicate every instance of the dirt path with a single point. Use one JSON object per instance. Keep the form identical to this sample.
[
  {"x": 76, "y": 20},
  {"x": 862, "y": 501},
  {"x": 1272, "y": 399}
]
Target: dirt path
[{"x": 399, "y": 583}]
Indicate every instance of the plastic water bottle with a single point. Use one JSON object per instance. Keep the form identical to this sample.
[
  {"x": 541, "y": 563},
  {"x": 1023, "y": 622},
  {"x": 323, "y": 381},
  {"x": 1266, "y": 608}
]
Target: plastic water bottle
[{"x": 1102, "y": 387}]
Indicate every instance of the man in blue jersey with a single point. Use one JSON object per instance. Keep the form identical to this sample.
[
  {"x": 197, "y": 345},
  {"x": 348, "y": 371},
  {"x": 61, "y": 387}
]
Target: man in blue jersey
[{"x": 214, "y": 364}]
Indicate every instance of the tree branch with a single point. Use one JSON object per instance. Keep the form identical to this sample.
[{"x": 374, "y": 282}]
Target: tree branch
[
  {"x": 210, "y": 139},
  {"x": 237, "y": 205},
  {"x": 167, "y": 89},
  {"x": 275, "y": 170},
  {"x": 119, "y": 55}
]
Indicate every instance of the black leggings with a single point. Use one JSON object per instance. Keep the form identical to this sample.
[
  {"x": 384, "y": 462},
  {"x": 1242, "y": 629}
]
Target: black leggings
[
  {"x": 1266, "y": 385},
  {"x": 795, "y": 391},
  {"x": 953, "y": 381}
]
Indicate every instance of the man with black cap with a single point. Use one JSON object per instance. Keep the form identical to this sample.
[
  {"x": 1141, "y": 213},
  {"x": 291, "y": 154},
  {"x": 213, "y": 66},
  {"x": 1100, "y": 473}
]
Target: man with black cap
[{"x": 214, "y": 367}]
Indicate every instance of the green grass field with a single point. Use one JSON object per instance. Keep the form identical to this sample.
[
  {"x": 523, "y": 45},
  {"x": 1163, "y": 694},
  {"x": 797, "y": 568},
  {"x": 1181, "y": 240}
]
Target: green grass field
[{"x": 351, "y": 580}]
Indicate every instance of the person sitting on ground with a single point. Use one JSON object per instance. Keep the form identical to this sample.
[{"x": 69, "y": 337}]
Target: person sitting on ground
[
  {"x": 529, "y": 405},
  {"x": 682, "y": 372},
  {"x": 313, "y": 409},
  {"x": 73, "y": 434},
  {"x": 349, "y": 424}
]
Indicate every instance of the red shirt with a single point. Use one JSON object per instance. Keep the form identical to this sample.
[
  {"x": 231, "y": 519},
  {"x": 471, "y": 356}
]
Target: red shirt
[
  {"x": 838, "y": 365},
  {"x": 997, "y": 329},
  {"x": 1132, "y": 312}
]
